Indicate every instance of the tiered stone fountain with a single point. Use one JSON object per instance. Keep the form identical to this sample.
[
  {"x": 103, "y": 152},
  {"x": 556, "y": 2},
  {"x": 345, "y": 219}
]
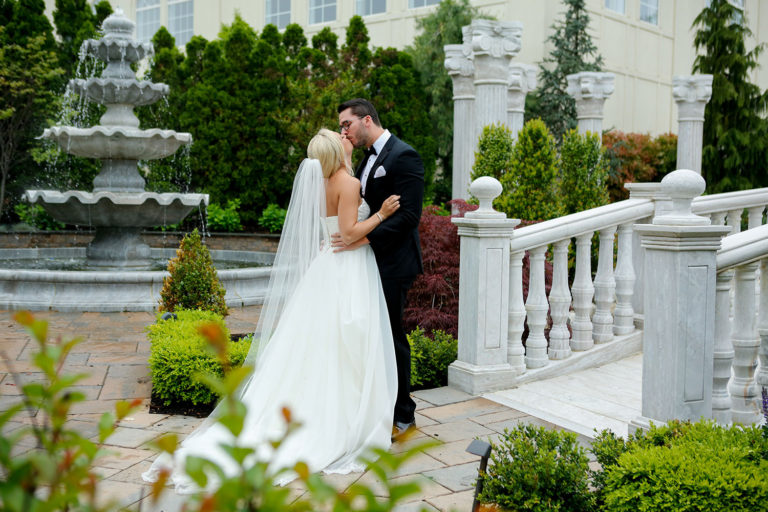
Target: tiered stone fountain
[
  {"x": 118, "y": 207},
  {"x": 114, "y": 270}
]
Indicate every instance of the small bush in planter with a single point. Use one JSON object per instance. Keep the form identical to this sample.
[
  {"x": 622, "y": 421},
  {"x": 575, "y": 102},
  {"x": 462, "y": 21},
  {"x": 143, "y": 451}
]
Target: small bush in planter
[
  {"x": 180, "y": 353},
  {"x": 193, "y": 282},
  {"x": 430, "y": 357},
  {"x": 225, "y": 219},
  {"x": 689, "y": 467},
  {"x": 536, "y": 469}
]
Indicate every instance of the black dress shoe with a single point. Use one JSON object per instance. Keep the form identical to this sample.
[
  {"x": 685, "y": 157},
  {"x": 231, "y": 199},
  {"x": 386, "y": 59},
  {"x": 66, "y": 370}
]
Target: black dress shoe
[{"x": 401, "y": 430}]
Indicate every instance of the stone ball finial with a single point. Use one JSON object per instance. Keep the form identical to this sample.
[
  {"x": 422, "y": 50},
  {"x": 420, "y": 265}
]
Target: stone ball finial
[
  {"x": 682, "y": 186},
  {"x": 485, "y": 189}
]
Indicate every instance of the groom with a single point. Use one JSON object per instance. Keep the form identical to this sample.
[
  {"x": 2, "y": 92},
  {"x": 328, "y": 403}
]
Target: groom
[{"x": 390, "y": 166}]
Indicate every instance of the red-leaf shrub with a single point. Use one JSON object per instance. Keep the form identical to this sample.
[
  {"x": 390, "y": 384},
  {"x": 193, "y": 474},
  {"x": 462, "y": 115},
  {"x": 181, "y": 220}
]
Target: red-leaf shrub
[
  {"x": 433, "y": 301},
  {"x": 637, "y": 157}
]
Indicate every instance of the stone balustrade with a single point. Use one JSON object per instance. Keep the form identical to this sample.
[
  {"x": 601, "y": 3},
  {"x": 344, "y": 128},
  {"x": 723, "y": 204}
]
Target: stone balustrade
[{"x": 592, "y": 319}]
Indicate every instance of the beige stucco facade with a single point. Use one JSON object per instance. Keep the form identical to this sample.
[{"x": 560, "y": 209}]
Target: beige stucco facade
[{"x": 643, "y": 56}]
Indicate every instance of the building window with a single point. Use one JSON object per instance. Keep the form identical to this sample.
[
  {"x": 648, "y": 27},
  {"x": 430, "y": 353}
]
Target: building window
[
  {"x": 279, "y": 13},
  {"x": 615, "y": 5},
  {"x": 147, "y": 19},
  {"x": 180, "y": 20},
  {"x": 368, "y": 7},
  {"x": 413, "y": 4},
  {"x": 649, "y": 11},
  {"x": 322, "y": 11}
]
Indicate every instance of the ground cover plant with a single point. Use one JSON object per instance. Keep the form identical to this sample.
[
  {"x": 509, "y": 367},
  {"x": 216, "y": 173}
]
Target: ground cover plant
[{"x": 430, "y": 358}]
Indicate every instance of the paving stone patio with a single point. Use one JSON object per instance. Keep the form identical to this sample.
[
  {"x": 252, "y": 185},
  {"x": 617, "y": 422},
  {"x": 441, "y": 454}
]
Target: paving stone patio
[{"x": 114, "y": 353}]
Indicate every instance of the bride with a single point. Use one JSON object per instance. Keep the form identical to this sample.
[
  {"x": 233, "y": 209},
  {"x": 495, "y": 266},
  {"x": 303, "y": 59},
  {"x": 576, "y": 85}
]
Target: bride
[{"x": 325, "y": 348}]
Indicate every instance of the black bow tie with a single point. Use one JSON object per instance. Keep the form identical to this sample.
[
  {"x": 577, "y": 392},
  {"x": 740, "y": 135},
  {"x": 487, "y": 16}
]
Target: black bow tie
[{"x": 370, "y": 151}]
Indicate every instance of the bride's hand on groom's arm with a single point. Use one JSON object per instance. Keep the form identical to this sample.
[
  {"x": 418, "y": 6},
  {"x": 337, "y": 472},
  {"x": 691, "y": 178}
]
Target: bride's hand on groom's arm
[{"x": 338, "y": 244}]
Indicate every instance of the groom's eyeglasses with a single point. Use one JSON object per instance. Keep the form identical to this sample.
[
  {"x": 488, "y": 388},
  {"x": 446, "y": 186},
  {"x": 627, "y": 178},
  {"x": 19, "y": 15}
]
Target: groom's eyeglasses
[{"x": 343, "y": 127}]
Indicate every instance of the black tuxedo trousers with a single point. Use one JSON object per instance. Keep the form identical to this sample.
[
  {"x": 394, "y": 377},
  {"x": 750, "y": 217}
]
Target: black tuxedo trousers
[{"x": 398, "y": 169}]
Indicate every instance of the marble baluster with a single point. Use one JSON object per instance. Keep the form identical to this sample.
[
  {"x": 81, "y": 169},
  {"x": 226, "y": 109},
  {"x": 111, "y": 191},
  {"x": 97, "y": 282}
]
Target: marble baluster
[
  {"x": 582, "y": 291},
  {"x": 718, "y": 218},
  {"x": 745, "y": 341},
  {"x": 560, "y": 303},
  {"x": 762, "y": 325},
  {"x": 755, "y": 217},
  {"x": 624, "y": 314},
  {"x": 723, "y": 351},
  {"x": 605, "y": 289},
  {"x": 536, "y": 306},
  {"x": 515, "y": 349},
  {"x": 734, "y": 220}
]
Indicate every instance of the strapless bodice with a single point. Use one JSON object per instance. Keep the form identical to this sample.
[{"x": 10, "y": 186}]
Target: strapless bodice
[{"x": 363, "y": 212}]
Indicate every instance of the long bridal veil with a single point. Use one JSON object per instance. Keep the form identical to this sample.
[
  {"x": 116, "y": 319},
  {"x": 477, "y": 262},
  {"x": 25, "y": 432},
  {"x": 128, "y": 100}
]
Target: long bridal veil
[{"x": 300, "y": 242}]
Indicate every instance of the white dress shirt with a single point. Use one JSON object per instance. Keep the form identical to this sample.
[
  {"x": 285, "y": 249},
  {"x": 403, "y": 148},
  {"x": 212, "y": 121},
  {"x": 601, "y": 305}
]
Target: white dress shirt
[{"x": 378, "y": 145}]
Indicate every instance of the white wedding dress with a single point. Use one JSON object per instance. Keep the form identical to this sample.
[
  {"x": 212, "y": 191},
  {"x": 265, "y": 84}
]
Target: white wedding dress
[{"x": 330, "y": 360}]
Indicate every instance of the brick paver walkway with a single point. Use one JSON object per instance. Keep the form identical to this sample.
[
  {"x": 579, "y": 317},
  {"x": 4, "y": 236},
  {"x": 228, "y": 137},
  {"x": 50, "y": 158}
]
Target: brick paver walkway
[{"x": 115, "y": 352}]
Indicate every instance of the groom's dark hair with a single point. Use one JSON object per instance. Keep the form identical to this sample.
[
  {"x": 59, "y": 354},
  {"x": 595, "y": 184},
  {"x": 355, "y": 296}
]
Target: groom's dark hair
[{"x": 361, "y": 108}]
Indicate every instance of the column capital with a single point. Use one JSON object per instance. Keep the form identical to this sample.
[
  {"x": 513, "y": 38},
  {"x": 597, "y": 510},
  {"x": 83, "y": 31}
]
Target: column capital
[
  {"x": 691, "y": 93},
  {"x": 590, "y": 90},
  {"x": 493, "y": 44},
  {"x": 522, "y": 80},
  {"x": 461, "y": 69}
]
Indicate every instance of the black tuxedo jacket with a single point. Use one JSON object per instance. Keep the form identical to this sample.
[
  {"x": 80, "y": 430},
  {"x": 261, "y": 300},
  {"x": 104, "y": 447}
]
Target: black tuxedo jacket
[{"x": 395, "y": 242}]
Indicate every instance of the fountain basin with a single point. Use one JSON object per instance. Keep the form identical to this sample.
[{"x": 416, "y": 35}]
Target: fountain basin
[
  {"x": 116, "y": 290},
  {"x": 117, "y": 49},
  {"x": 117, "y": 142},
  {"x": 112, "y": 91},
  {"x": 105, "y": 208}
]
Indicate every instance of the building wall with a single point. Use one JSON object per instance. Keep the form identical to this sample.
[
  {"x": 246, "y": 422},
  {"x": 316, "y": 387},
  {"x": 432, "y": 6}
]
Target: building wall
[{"x": 643, "y": 56}]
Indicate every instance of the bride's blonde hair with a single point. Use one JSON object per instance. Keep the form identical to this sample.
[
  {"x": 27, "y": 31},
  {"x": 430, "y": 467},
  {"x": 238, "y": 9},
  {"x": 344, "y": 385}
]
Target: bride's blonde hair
[{"x": 327, "y": 148}]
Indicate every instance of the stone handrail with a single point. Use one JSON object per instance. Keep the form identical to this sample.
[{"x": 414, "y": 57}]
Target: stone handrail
[{"x": 743, "y": 248}]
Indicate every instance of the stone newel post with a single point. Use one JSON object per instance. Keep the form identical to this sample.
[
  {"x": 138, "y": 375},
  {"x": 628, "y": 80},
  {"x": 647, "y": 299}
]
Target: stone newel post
[
  {"x": 678, "y": 340},
  {"x": 493, "y": 45},
  {"x": 483, "y": 295},
  {"x": 691, "y": 94},
  {"x": 522, "y": 80},
  {"x": 462, "y": 70},
  {"x": 590, "y": 90}
]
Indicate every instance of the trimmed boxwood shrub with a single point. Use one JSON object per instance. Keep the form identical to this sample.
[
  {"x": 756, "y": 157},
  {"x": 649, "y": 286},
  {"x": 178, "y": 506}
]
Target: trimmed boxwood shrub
[
  {"x": 430, "y": 357},
  {"x": 536, "y": 469},
  {"x": 687, "y": 467},
  {"x": 180, "y": 353}
]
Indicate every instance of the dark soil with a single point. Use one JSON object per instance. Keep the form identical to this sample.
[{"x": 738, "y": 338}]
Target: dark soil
[{"x": 156, "y": 405}]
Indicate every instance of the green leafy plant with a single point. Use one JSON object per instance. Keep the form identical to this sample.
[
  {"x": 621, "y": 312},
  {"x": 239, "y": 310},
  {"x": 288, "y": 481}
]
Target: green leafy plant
[
  {"x": 530, "y": 184},
  {"x": 272, "y": 218},
  {"x": 192, "y": 282},
  {"x": 58, "y": 473},
  {"x": 494, "y": 152},
  {"x": 583, "y": 172},
  {"x": 536, "y": 469},
  {"x": 430, "y": 357},
  {"x": 224, "y": 219},
  {"x": 180, "y": 354},
  {"x": 637, "y": 157},
  {"x": 35, "y": 215},
  {"x": 687, "y": 467}
]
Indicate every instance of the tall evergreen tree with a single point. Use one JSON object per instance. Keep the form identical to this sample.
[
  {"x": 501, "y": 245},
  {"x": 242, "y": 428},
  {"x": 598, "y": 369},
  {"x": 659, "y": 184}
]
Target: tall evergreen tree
[
  {"x": 735, "y": 141},
  {"x": 441, "y": 27},
  {"x": 573, "y": 51}
]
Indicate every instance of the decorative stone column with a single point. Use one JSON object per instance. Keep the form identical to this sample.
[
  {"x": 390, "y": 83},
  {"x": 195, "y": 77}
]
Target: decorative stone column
[
  {"x": 691, "y": 93},
  {"x": 493, "y": 45},
  {"x": 678, "y": 340},
  {"x": 522, "y": 80},
  {"x": 590, "y": 90},
  {"x": 485, "y": 234},
  {"x": 462, "y": 70}
]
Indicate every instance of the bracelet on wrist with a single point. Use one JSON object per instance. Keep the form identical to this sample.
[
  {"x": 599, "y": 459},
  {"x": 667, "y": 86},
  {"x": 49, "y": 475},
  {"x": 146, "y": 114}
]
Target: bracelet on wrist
[{"x": 380, "y": 216}]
